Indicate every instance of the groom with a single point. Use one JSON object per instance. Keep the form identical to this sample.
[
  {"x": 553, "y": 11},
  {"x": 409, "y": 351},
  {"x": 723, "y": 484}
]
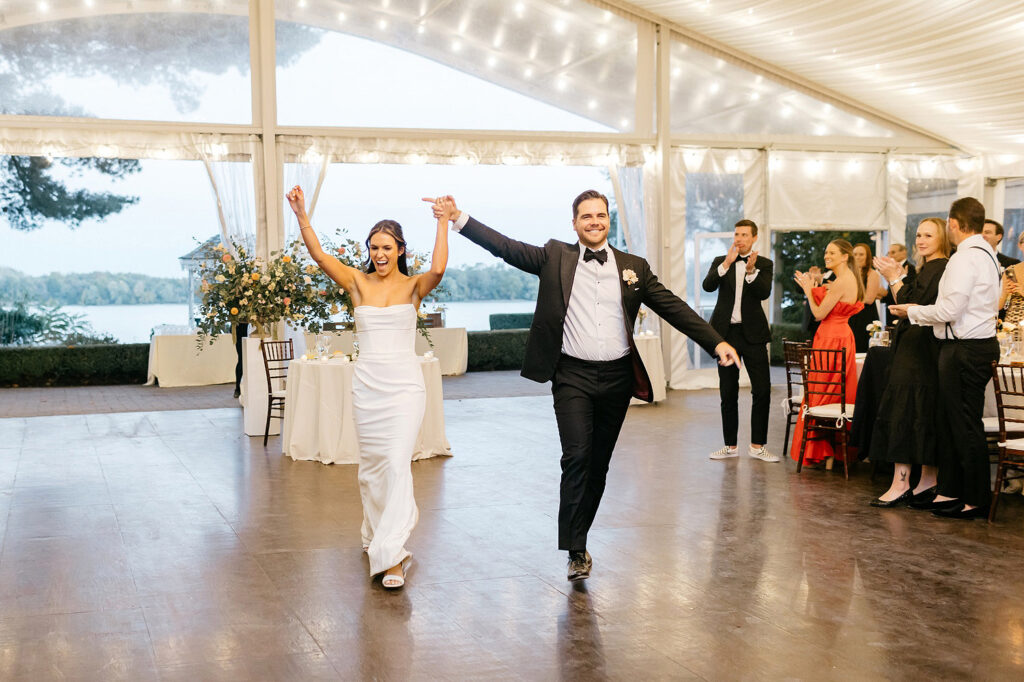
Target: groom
[{"x": 581, "y": 340}]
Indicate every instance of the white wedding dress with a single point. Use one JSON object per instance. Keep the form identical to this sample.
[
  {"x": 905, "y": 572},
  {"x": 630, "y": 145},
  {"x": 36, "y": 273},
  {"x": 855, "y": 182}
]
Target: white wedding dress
[{"x": 388, "y": 399}]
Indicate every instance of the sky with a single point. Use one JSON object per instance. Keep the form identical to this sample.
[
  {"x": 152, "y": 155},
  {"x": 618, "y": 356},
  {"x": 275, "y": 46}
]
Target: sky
[{"x": 176, "y": 205}]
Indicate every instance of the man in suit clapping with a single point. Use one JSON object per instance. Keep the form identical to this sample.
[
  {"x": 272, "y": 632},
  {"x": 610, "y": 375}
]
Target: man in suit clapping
[{"x": 743, "y": 280}]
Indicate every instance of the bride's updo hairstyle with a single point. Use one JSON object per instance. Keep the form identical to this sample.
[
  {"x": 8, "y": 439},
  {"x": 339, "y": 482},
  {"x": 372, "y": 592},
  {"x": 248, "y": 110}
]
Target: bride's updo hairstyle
[
  {"x": 846, "y": 248},
  {"x": 393, "y": 230}
]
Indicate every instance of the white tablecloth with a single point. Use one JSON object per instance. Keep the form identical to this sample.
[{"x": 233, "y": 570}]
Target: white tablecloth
[
  {"x": 451, "y": 346},
  {"x": 649, "y": 348},
  {"x": 318, "y": 422},
  {"x": 174, "y": 361}
]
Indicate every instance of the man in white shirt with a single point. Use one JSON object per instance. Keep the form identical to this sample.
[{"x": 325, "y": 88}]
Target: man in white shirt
[
  {"x": 964, "y": 319},
  {"x": 581, "y": 340},
  {"x": 743, "y": 280}
]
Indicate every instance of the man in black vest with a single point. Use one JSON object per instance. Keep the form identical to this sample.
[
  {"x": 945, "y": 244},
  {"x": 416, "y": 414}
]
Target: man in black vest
[
  {"x": 581, "y": 340},
  {"x": 743, "y": 280}
]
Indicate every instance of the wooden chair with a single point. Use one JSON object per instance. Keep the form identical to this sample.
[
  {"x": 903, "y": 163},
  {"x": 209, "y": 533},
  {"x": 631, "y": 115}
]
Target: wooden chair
[
  {"x": 793, "y": 357},
  {"x": 1008, "y": 382},
  {"x": 276, "y": 356},
  {"x": 824, "y": 375}
]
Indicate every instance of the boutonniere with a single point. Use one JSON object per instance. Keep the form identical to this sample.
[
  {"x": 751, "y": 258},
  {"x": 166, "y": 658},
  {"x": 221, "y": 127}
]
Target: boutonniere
[{"x": 629, "y": 277}]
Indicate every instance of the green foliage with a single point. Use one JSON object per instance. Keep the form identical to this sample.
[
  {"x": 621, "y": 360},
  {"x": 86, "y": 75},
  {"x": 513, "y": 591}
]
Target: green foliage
[
  {"x": 30, "y": 195},
  {"x": 790, "y": 332},
  {"x": 20, "y": 326},
  {"x": 491, "y": 282},
  {"x": 511, "y": 320},
  {"x": 92, "y": 288},
  {"x": 494, "y": 350},
  {"x": 798, "y": 251},
  {"x": 74, "y": 365}
]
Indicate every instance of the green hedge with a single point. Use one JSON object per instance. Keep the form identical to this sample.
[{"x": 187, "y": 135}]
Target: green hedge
[
  {"x": 511, "y": 320},
  {"x": 497, "y": 349},
  {"x": 74, "y": 365},
  {"x": 790, "y": 332}
]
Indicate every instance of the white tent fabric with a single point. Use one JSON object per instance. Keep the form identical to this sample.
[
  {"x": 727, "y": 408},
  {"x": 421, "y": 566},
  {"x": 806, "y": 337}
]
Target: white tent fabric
[{"x": 827, "y": 191}]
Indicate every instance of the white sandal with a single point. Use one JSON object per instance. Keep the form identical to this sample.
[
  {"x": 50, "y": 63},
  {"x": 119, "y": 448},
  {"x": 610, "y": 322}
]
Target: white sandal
[{"x": 393, "y": 582}]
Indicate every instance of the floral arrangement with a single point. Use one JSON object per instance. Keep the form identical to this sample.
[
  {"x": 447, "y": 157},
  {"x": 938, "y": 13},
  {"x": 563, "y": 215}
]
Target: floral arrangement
[
  {"x": 289, "y": 287},
  {"x": 874, "y": 327}
]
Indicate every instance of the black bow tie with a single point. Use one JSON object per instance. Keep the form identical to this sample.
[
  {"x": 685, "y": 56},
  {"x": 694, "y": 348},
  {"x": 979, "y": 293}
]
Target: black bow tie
[
  {"x": 600, "y": 256},
  {"x": 743, "y": 258}
]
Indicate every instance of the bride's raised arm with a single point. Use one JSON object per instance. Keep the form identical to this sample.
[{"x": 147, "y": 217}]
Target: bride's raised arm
[
  {"x": 439, "y": 258},
  {"x": 344, "y": 275}
]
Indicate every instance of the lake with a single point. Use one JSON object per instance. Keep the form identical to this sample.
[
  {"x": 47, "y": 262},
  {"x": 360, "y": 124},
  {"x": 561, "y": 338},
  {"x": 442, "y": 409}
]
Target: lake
[{"x": 132, "y": 323}]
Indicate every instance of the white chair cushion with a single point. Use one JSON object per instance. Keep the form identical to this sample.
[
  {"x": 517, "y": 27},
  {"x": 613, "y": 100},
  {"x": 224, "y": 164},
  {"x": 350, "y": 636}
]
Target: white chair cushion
[
  {"x": 830, "y": 411},
  {"x": 1013, "y": 444},
  {"x": 991, "y": 424},
  {"x": 279, "y": 394}
]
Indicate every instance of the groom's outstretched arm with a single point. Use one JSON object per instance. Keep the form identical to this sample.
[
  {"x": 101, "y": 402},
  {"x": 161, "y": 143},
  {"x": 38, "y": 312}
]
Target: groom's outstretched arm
[
  {"x": 677, "y": 313},
  {"x": 526, "y": 257}
]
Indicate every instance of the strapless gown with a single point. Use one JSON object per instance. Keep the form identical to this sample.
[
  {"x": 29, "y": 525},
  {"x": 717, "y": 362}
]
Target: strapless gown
[
  {"x": 388, "y": 399},
  {"x": 833, "y": 332}
]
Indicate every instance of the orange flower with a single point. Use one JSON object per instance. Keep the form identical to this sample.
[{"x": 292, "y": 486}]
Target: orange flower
[
  {"x": 226, "y": 257},
  {"x": 234, "y": 311},
  {"x": 287, "y": 301},
  {"x": 323, "y": 292},
  {"x": 255, "y": 276},
  {"x": 341, "y": 250},
  {"x": 286, "y": 259}
]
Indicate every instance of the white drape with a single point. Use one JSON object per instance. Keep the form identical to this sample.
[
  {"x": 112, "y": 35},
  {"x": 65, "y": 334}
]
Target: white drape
[
  {"x": 827, "y": 191},
  {"x": 901, "y": 169},
  {"x": 629, "y": 197},
  {"x": 232, "y": 185},
  {"x": 309, "y": 173}
]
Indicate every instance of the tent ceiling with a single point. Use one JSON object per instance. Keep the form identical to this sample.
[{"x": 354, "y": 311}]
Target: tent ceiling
[{"x": 951, "y": 67}]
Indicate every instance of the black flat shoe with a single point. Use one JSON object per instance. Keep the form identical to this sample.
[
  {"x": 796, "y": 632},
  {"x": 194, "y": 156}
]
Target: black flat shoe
[
  {"x": 933, "y": 505},
  {"x": 898, "y": 502},
  {"x": 925, "y": 495},
  {"x": 961, "y": 513}
]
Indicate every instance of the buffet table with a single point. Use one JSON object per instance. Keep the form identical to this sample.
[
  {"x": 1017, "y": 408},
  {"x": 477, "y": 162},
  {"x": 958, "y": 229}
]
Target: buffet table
[
  {"x": 451, "y": 346},
  {"x": 174, "y": 360},
  {"x": 318, "y": 422}
]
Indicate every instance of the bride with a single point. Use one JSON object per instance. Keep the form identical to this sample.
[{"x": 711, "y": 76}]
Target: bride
[{"x": 388, "y": 397}]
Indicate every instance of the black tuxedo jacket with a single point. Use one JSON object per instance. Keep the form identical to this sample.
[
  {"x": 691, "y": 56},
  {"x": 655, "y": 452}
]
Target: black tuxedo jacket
[
  {"x": 1005, "y": 261},
  {"x": 755, "y": 323},
  {"x": 555, "y": 264}
]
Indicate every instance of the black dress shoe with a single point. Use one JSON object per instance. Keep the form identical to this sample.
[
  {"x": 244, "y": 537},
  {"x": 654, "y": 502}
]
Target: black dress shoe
[
  {"x": 933, "y": 505},
  {"x": 899, "y": 501},
  {"x": 238, "y": 392},
  {"x": 960, "y": 513},
  {"x": 579, "y": 565},
  {"x": 925, "y": 495}
]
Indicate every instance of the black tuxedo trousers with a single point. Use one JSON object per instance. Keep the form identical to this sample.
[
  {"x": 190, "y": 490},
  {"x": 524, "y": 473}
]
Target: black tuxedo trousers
[
  {"x": 755, "y": 359},
  {"x": 590, "y": 399}
]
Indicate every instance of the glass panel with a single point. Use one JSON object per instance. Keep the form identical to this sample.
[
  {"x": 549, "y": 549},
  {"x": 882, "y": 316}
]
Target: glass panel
[
  {"x": 1013, "y": 218},
  {"x": 94, "y": 59},
  {"x": 713, "y": 96},
  {"x": 926, "y": 198},
  {"x": 714, "y": 202},
  {"x": 529, "y": 203},
  {"x": 475, "y": 64},
  {"x": 120, "y": 272}
]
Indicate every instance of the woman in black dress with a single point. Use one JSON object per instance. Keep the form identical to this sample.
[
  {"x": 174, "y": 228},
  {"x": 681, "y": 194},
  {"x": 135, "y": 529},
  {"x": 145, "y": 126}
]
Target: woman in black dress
[
  {"x": 905, "y": 429},
  {"x": 872, "y": 292}
]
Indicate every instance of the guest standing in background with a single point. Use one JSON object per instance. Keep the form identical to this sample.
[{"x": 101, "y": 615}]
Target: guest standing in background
[
  {"x": 872, "y": 284},
  {"x": 906, "y": 429},
  {"x": 743, "y": 280},
  {"x": 1011, "y": 296},
  {"x": 963, "y": 318},
  {"x": 993, "y": 234}
]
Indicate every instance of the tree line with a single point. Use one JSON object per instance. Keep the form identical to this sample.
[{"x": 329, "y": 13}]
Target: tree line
[{"x": 495, "y": 281}]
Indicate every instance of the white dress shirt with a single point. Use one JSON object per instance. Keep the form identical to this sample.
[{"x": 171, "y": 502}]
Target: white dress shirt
[
  {"x": 595, "y": 326},
  {"x": 968, "y": 298},
  {"x": 741, "y": 277}
]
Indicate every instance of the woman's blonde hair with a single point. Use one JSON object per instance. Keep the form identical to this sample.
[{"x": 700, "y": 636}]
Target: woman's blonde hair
[
  {"x": 846, "y": 248},
  {"x": 945, "y": 247}
]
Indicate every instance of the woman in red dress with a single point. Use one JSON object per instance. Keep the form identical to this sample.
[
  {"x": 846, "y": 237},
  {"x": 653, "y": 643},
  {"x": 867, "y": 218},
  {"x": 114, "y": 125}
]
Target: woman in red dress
[{"x": 833, "y": 304}]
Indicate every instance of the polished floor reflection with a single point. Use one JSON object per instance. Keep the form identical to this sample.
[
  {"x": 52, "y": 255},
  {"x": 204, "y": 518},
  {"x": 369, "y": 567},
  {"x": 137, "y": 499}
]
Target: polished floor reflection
[{"x": 163, "y": 545}]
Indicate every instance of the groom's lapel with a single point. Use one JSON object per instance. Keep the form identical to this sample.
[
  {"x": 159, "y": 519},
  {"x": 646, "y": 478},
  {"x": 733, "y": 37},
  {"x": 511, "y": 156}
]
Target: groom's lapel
[{"x": 570, "y": 257}]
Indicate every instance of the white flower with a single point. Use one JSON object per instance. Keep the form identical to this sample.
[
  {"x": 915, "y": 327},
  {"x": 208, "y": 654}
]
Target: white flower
[
  {"x": 629, "y": 277},
  {"x": 271, "y": 287},
  {"x": 307, "y": 279},
  {"x": 221, "y": 278},
  {"x": 244, "y": 301},
  {"x": 265, "y": 279}
]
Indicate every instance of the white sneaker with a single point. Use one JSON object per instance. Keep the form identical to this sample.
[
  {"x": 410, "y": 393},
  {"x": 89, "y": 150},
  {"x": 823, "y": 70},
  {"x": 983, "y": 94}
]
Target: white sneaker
[
  {"x": 762, "y": 454},
  {"x": 725, "y": 453}
]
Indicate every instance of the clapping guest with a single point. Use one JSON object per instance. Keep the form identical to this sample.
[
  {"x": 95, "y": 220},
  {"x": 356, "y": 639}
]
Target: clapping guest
[
  {"x": 872, "y": 285},
  {"x": 906, "y": 432},
  {"x": 1011, "y": 296},
  {"x": 898, "y": 252}
]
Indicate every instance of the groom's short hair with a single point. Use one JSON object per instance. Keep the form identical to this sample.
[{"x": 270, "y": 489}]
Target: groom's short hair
[
  {"x": 589, "y": 194},
  {"x": 748, "y": 223}
]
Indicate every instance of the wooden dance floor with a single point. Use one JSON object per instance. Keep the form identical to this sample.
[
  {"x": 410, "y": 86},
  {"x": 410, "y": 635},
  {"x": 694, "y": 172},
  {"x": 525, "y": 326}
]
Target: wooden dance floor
[{"x": 163, "y": 545}]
